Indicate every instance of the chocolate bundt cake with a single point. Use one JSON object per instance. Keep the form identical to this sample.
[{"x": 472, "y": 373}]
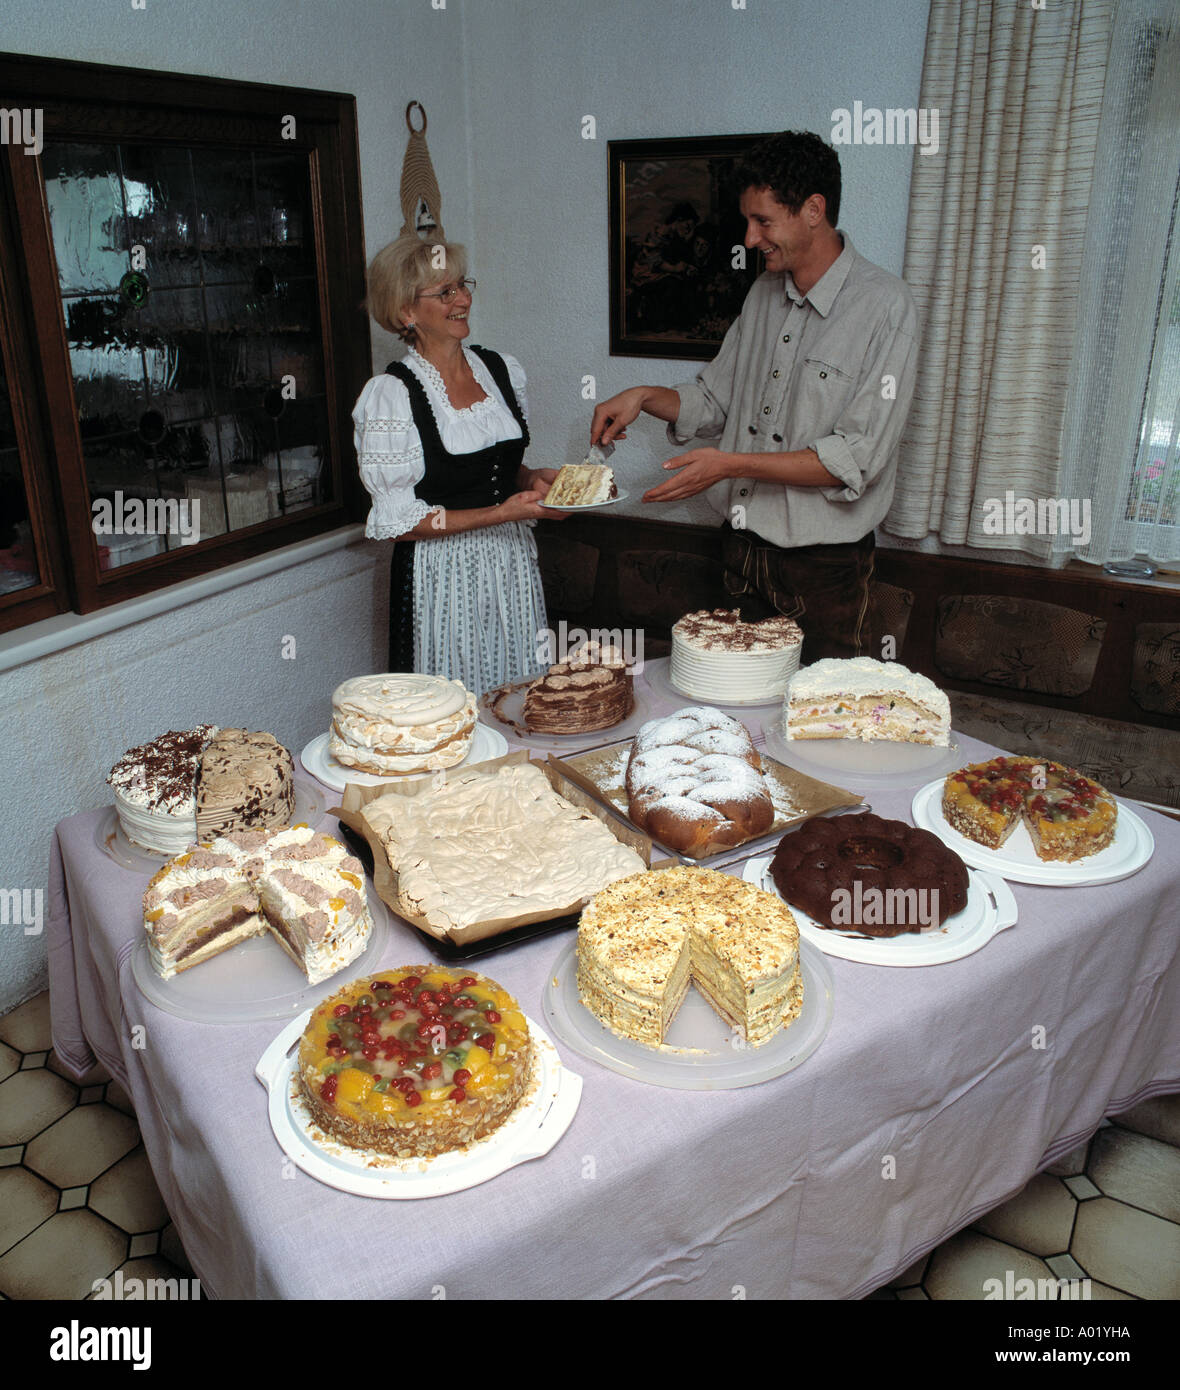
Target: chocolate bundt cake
[{"x": 879, "y": 877}]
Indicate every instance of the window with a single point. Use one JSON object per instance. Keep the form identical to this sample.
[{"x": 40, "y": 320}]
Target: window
[{"x": 183, "y": 271}]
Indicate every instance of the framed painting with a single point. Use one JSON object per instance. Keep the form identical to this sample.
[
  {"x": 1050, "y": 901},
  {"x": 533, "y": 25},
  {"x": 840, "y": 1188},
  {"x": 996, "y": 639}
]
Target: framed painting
[{"x": 679, "y": 270}]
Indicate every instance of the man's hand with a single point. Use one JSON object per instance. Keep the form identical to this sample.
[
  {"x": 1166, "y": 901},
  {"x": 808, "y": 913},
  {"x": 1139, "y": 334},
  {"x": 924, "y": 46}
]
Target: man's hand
[
  {"x": 612, "y": 417},
  {"x": 695, "y": 471}
]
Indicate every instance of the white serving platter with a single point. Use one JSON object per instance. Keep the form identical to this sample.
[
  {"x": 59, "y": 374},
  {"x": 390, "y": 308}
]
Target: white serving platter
[
  {"x": 539, "y": 1121},
  {"x": 875, "y": 764},
  {"x": 485, "y": 743},
  {"x": 990, "y": 908},
  {"x": 1132, "y": 847},
  {"x": 701, "y": 1051}
]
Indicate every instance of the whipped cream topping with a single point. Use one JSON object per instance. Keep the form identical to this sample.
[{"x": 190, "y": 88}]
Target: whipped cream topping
[
  {"x": 722, "y": 630},
  {"x": 862, "y": 675},
  {"x": 400, "y": 698}
]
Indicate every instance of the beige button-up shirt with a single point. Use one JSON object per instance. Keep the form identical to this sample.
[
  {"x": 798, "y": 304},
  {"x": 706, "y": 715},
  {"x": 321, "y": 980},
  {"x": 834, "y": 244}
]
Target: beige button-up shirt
[{"x": 833, "y": 371}]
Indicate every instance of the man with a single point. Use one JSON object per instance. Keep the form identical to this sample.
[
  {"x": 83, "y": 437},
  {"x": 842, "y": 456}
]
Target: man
[{"x": 808, "y": 397}]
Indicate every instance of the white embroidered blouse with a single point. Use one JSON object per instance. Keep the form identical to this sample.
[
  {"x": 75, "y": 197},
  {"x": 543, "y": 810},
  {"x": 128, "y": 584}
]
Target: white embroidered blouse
[{"x": 389, "y": 451}]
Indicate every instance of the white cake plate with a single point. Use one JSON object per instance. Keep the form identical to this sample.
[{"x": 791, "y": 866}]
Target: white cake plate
[
  {"x": 659, "y": 676},
  {"x": 587, "y": 506},
  {"x": 874, "y": 764},
  {"x": 486, "y": 743},
  {"x": 1132, "y": 847},
  {"x": 701, "y": 1052},
  {"x": 254, "y": 980},
  {"x": 112, "y": 839},
  {"x": 534, "y": 1127},
  {"x": 990, "y": 908}
]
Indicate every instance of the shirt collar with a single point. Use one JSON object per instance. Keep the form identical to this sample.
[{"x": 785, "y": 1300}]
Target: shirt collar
[{"x": 822, "y": 294}]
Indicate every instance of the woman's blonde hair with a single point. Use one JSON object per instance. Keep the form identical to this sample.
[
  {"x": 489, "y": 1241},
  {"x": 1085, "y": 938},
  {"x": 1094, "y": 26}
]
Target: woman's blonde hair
[{"x": 400, "y": 271}]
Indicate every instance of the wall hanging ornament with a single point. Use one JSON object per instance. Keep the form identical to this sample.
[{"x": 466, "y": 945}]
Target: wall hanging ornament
[{"x": 420, "y": 197}]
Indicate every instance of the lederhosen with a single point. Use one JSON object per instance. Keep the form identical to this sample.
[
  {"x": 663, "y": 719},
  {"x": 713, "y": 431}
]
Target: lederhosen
[{"x": 454, "y": 481}]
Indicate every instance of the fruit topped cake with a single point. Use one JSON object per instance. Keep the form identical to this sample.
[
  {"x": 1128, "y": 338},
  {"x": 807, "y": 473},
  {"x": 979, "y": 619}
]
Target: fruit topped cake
[
  {"x": 1068, "y": 816},
  {"x": 415, "y": 1061}
]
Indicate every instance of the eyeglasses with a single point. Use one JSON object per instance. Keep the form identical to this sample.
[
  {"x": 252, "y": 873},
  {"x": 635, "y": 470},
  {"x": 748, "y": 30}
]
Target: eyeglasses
[{"x": 449, "y": 293}]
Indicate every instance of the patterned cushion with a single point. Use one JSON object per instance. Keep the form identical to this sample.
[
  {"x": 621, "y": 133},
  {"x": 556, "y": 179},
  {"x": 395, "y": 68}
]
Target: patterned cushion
[
  {"x": 1155, "y": 668},
  {"x": 1017, "y": 642}
]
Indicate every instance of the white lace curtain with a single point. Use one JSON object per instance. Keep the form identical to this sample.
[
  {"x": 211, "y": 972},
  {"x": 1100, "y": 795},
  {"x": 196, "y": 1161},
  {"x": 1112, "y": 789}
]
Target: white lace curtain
[
  {"x": 997, "y": 225},
  {"x": 1120, "y": 442}
]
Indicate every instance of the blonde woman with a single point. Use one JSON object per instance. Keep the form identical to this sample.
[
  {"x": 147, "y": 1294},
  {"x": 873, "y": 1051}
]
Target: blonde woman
[{"x": 440, "y": 439}]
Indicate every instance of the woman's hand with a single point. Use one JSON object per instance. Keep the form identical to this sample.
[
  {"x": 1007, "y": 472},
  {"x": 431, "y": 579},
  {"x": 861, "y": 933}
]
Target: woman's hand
[
  {"x": 525, "y": 506},
  {"x": 538, "y": 480}
]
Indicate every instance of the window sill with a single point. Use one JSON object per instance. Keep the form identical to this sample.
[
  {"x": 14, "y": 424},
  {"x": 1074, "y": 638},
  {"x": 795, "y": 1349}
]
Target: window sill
[{"x": 70, "y": 629}]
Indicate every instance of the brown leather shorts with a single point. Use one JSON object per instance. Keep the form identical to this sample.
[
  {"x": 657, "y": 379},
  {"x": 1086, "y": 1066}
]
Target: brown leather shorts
[{"x": 825, "y": 588}]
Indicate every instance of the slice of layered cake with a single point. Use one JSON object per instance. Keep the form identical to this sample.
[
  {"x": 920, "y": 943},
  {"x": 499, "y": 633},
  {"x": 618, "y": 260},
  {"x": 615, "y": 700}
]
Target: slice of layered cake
[
  {"x": 582, "y": 485},
  {"x": 865, "y": 699},
  {"x": 591, "y": 689}
]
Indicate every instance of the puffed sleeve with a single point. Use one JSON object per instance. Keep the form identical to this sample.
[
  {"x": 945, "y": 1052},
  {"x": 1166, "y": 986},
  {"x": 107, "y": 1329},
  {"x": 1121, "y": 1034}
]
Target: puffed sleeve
[
  {"x": 517, "y": 378},
  {"x": 389, "y": 454}
]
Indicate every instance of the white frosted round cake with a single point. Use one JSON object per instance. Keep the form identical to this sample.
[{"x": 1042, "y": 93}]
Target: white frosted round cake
[
  {"x": 401, "y": 723},
  {"x": 865, "y": 699},
  {"x": 717, "y": 657},
  {"x": 192, "y": 784}
]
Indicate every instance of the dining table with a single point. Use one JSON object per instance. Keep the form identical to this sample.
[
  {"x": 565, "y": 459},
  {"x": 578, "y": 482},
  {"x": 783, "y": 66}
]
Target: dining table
[{"x": 929, "y": 1092}]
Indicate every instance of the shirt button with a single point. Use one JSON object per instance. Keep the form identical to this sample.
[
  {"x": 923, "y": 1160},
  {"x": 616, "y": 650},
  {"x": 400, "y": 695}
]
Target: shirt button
[
  {"x": 823, "y": 376},
  {"x": 778, "y": 439},
  {"x": 752, "y": 429},
  {"x": 786, "y": 337},
  {"x": 766, "y": 410},
  {"x": 744, "y": 492},
  {"x": 775, "y": 374}
]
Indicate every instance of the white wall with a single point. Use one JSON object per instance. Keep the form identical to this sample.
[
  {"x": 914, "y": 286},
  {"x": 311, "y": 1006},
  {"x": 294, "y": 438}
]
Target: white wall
[{"x": 505, "y": 84}]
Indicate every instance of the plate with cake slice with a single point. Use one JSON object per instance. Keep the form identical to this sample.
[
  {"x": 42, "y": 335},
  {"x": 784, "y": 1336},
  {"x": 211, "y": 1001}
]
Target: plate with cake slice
[
  {"x": 584, "y": 506},
  {"x": 1035, "y": 821},
  {"x": 317, "y": 759},
  {"x": 989, "y": 909}
]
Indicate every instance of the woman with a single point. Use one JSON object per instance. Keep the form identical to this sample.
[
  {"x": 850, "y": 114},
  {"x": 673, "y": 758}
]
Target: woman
[{"x": 440, "y": 438}]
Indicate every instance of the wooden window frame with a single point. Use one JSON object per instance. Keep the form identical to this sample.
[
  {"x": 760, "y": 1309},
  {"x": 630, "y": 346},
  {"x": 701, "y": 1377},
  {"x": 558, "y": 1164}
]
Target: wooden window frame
[{"x": 92, "y": 102}]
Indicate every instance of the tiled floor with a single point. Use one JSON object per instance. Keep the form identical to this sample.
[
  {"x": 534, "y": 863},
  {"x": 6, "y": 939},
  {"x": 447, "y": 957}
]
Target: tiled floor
[{"x": 78, "y": 1202}]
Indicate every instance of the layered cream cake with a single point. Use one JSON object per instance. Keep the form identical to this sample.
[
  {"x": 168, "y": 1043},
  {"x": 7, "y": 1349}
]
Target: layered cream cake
[
  {"x": 582, "y": 485},
  {"x": 416, "y": 1061},
  {"x": 401, "y": 723},
  {"x": 193, "y": 784},
  {"x": 489, "y": 845},
  {"x": 591, "y": 689},
  {"x": 717, "y": 657},
  {"x": 1069, "y": 816},
  {"x": 300, "y": 885},
  {"x": 866, "y": 699},
  {"x": 643, "y": 939}
]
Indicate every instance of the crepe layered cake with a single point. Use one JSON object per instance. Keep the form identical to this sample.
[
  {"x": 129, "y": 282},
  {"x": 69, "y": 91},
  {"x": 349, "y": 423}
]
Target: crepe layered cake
[
  {"x": 582, "y": 485},
  {"x": 591, "y": 689},
  {"x": 196, "y": 783},
  {"x": 401, "y": 723},
  {"x": 1069, "y": 816},
  {"x": 301, "y": 886},
  {"x": 717, "y": 657},
  {"x": 416, "y": 1061},
  {"x": 694, "y": 780},
  {"x": 865, "y": 699},
  {"x": 491, "y": 845},
  {"x": 643, "y": 939}
]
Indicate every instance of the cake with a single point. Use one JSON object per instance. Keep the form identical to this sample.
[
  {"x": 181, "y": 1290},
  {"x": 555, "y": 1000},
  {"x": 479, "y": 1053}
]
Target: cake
[
  {"x": 193, "y": 784},
  {"x": 582, "y": 485},
  {"x": 1069, "y": 816},
  {"x": 401, "y": 723},
  {"x": 879, "y": 877},
  {"x": 414, "y": 1062},
  {"x": 717, "y": 657},
  {"x": 591, "y": 689},
  {"x": 643, "y": 939},
  {"x": 299, "y": 885},
  {"x": 866, "y": 699},
  {"x": 491, "y": 845},
  {"x": 694, "y": 779},
  {"x": 246, "y": 781}
]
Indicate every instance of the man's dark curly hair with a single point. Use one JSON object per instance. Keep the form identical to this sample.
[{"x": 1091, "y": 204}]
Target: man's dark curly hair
[{"x": 794, "y": 165}]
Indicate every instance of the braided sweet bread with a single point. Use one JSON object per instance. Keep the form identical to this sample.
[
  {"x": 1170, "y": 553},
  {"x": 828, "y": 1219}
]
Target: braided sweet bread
[{"x": 695, "y": 778}]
